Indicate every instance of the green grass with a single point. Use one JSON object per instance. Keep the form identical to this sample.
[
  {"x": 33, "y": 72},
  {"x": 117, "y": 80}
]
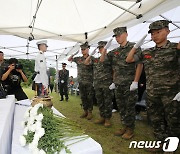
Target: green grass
[{"x": 110, "y": 143}]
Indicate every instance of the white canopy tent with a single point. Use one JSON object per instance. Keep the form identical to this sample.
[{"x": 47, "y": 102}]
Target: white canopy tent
[{"x": 76, "y": 21}]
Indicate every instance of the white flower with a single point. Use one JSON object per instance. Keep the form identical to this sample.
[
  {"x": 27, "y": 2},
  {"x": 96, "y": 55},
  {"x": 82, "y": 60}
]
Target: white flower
[
  {"x": 26, "y": 115},
  {"x": 39, "y": 105},
  {"x": 36, "y": 137},
  {"x": 40, "y": 132},
  {"x": 22, "y": 140},
  {"x": 33, "y": 112},
  {"x": 33, "y": 145},
  {"x": 32, "y": 128},
  {"x": 30, "y": 121},
  {"x": 25, "y": 131},
  {"x": 39, "y": 117},
  {"x": 29, "y": 109},
  {"x": 42, "y": 151},
  {"x": 38, "y": 125}
]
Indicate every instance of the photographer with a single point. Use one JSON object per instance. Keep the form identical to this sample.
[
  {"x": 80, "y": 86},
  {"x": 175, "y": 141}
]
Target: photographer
[{"x": 12, "y": 77}]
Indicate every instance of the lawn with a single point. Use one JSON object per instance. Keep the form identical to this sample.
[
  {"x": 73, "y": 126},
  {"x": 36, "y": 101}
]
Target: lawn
[{"x": 110, "y": 143}]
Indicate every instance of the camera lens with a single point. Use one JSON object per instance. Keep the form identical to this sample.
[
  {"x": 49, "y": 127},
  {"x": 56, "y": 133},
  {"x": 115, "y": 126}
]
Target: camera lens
[{"x": 19, "y": 66}]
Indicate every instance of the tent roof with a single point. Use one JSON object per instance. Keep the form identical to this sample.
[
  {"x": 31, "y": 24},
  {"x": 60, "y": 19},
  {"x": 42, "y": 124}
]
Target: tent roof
[
  {"x": 75, "y": 20},
  {"x": 66, "y": 20}
]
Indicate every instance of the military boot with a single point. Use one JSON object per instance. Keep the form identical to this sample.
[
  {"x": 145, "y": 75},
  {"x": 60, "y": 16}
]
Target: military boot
[
  {"x": 89, "y": 116},
  {"x": 128, "y": 134},
  {"x": 84, "y": 115},
  {"x": 120, "y": 131},
  {"x": 101, "y": 120},
  {"x": 107, "y": 123}
]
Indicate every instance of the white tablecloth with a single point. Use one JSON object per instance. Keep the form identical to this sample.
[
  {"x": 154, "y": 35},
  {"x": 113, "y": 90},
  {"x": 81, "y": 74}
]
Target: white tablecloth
[
  {"x": 88, "y": 146},
  {"x": 6, "y": 122}
]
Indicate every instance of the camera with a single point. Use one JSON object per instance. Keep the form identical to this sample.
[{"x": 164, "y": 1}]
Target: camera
[{"x": 18, "y": 66}]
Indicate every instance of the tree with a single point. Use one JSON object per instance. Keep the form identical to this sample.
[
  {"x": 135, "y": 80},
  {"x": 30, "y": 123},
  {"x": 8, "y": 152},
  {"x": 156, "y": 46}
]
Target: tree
[
  {"x": 52, "y": 71},
  {"x": 28, "y": 68}
]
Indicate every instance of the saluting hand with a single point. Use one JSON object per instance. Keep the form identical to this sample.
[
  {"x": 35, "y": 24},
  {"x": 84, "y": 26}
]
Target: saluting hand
[
  {"x": 76, "y": 53},
  {"x": 92, "y": 53},
  {"x": 140, "y": 42},
  {"x": 108, "y": 44},
  {"x": 177, "y": 97}
]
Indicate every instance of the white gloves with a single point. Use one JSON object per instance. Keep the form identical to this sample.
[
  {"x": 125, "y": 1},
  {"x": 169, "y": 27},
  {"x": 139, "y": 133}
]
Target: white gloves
[
  {"x": 108, "y": 44},
  {"x": 140, "y": 42},
  {"x": 134, "y": 86},
  {"x": 75, "y": 53},
  {"x": 177, "y": 97},
  {"x": 92, "y": 53},
  {"x": 62, "y": 81},
  {"x": 112, "y": 86}
]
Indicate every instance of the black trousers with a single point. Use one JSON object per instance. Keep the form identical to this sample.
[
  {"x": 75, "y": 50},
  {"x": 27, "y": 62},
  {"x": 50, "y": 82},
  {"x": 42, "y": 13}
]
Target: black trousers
[
  {"x": 63, "y": 89},
  {"x": 18, "y": 92},
  {"x": 51, "y": 86}
]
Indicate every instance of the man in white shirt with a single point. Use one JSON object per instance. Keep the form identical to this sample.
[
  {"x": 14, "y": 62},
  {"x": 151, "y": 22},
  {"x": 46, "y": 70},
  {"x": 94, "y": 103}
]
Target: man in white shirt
[{"x": 40, "y": 68}]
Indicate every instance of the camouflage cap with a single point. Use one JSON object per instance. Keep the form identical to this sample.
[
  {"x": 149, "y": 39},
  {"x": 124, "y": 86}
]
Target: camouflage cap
[
  {"x": 102, "y": 43},
  {"x": 159, "y": 24},
  {"x": 85, "y": 45},
  {"x": 119, "y": 30}
]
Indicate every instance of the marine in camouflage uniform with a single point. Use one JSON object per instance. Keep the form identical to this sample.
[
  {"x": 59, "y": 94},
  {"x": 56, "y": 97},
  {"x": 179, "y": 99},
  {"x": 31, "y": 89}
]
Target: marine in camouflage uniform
[
  {"x": 102, "y": 80},
  {"x": 85, "y": 76},
  {"x": 124, "y": 74},
  {"x": 163, "y": 82}
]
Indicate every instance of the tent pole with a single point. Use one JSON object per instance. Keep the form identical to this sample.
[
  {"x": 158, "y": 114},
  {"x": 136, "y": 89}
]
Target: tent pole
[
  {"x": 56, "y": 75},
  {"x": 170, "y": 21},
  {"x": 121, "y": 8}
]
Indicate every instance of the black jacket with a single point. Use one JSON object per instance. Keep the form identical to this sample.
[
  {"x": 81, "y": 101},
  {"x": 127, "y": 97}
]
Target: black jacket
[{"x": 64, "y": 75}]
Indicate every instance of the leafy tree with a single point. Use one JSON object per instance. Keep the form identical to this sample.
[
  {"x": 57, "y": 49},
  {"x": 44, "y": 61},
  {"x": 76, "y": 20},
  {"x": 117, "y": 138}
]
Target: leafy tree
[
  {"x": 28, "y": 68},
  {"x": 52, "y": 71}
]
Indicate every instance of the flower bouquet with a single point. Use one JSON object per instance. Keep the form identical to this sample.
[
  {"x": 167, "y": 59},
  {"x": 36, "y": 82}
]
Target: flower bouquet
[{"x": 45, "y": 132}]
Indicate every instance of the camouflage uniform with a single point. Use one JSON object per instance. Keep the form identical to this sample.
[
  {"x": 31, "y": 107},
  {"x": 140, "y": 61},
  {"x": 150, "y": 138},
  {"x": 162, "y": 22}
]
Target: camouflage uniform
[
  {"x": 163, "y": 83},
  {"x": 85, "y": 76},
  {"x": 102, "y": 80},
  {"x": 124, "y": 74}
]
